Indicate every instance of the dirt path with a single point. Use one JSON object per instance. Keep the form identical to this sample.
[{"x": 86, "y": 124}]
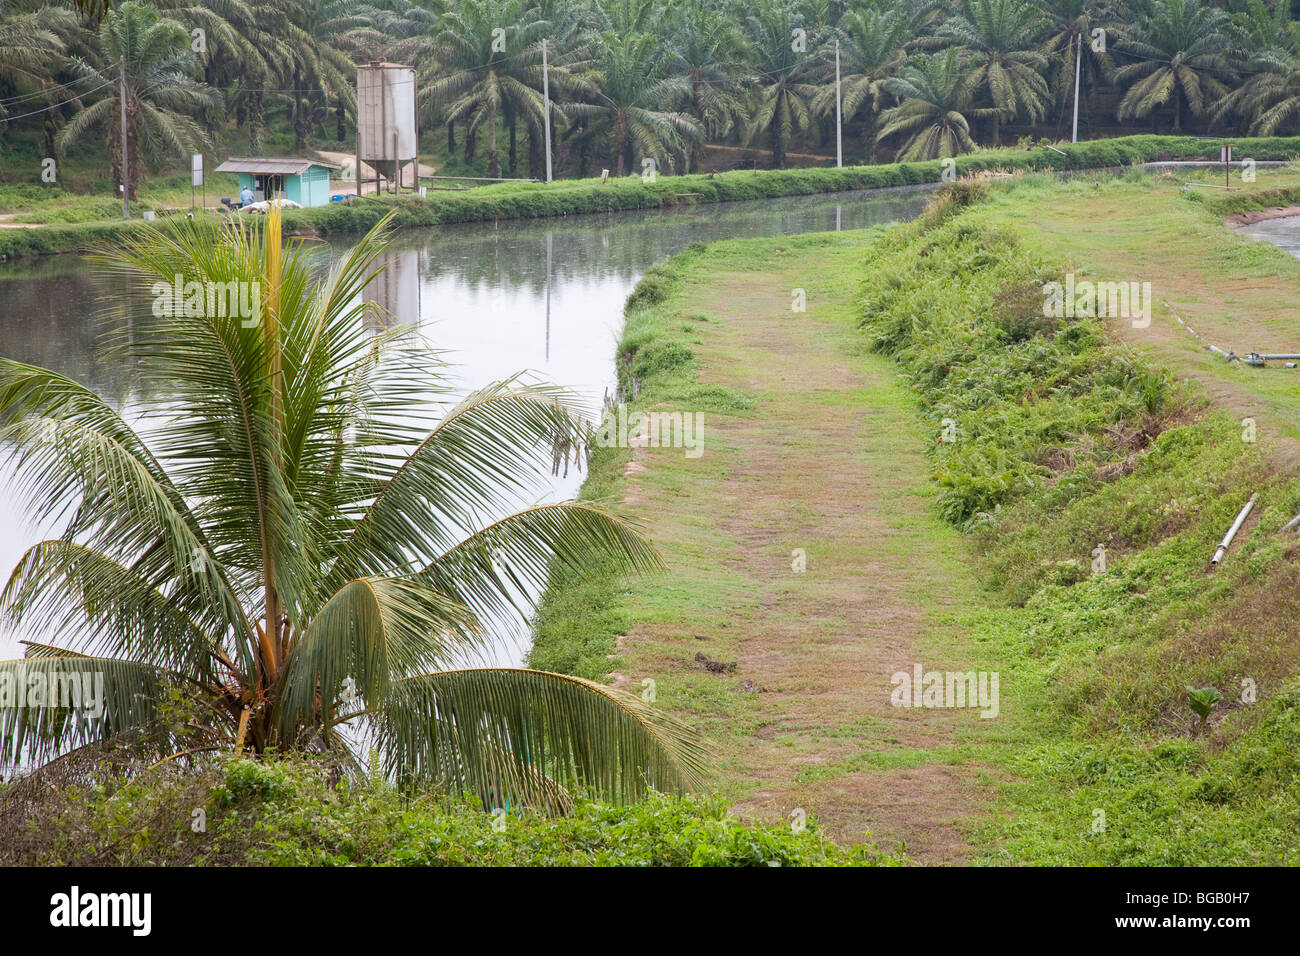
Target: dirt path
[{"x": 832, "y": 463}]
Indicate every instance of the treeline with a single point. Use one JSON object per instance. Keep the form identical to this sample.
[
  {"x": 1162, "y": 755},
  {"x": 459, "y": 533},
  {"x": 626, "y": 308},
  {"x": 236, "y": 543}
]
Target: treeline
[{"x": 636, "y": 80}]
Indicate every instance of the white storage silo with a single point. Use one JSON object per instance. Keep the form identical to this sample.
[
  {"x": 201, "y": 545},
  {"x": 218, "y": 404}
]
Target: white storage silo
[{"x": 387, "y": 135}]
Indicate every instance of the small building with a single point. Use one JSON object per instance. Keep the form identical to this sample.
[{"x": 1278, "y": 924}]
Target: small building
[{"x": 305, "y": 181}]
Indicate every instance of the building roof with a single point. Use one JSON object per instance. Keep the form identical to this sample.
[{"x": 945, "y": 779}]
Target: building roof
[{"x": 258, "y": 165}]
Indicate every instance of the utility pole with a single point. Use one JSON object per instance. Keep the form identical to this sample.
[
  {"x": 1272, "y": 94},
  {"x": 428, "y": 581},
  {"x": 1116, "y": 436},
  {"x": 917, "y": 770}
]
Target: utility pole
[
  {"x": 1078, "y": 55},
  {"x": 546, "y": 106},
  {"x": 839, "y": 142},
  {"x": 121, "y": 96}
]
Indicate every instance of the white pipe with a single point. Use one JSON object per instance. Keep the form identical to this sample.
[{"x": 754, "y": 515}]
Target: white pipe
[{"x": 1232, "y": 532}]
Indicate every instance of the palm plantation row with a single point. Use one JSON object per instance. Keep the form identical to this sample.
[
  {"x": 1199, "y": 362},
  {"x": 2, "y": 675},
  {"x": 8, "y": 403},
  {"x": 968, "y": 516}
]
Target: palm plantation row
[{"x": 632, "y": 79}]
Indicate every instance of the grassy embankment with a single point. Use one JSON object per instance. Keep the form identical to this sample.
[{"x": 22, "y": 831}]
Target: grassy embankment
[
  {"x": 570, "y": 197},
  {"x": 1065, "y": 441}
]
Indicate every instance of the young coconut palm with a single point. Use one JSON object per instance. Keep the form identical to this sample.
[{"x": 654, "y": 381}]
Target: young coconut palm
[{"x": 300, "y": 550}]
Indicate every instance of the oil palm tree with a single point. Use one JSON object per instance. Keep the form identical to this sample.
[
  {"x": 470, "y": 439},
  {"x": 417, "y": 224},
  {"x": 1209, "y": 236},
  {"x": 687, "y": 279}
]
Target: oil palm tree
[
  {"x": 1068, "y": 21},
  {"x": 1000, "y": 39},
  {"x": 634, "y": 103},
  {"x": 1269, "y": 41},
  {"x": 872, "y": 48},
  {"x": 709, "y": 48},
  {"x": 309, "y": 36},
  {"x": 391, "y": 30},
  {"x": 31, "y": 50},
  {"x": 388, "y": 30},
  {"x": 302, "y": 552},
  {"x": 242, "y": 55},
  {"x": 161, "y": 90},
  {"x": 933, "y": 117},
  {"x": 782, "y": 71},
  {"x": 1185, "y": 47},
  {"x": 486, "y": 57}
]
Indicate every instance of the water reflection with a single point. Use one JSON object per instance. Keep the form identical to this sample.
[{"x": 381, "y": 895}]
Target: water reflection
[
  {"x": 497, "y": 298},
  {"x": 395, "y": 287}
]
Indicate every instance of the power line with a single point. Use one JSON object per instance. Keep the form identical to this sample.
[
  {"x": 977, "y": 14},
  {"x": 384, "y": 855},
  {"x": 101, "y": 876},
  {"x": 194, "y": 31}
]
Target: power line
[
  {"x": 10, "y": 119},
  {"x": 45, "y": 91}
]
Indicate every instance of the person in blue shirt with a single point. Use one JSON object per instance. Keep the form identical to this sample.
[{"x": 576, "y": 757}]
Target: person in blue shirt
[{"x": 245, "y": 197}]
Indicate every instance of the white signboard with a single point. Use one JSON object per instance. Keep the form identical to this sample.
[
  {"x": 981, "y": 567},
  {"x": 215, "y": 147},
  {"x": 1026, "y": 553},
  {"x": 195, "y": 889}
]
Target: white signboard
[{"x": 196, "y": 169}]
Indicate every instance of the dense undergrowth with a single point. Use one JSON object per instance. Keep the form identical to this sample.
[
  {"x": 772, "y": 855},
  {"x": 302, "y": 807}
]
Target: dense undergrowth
[
  {"x": 571, "y": 197},
  {"x": 292, "y": 813},
  {"x": 1097, "y": 489}
]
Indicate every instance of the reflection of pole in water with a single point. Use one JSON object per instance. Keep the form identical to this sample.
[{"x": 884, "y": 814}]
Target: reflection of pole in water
[
  {"x": 837, "y": 217},
  {"x": 548, "y": 295},
  {"x": 395, "y": 287}
]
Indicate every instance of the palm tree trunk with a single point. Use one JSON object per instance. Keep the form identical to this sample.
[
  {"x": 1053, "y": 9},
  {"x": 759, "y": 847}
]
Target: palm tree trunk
[
  {"x": 536, "y": 161},
  {"x": 494, "y": 159},
  {"x": 451, "y": 137},
  {"x": 299, "y": 140},
  {"x": 512, "y": 124},
  {"x": 695, "y": 152},
  {"x": 342, "y": 127},
  {"x": 256, "y": 122},
  {"x": 620, "y": 143}
]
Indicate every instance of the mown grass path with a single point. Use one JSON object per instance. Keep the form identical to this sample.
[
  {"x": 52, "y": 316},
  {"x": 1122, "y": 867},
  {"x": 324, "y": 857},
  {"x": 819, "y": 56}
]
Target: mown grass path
[{"x": 831, "y": 461}]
